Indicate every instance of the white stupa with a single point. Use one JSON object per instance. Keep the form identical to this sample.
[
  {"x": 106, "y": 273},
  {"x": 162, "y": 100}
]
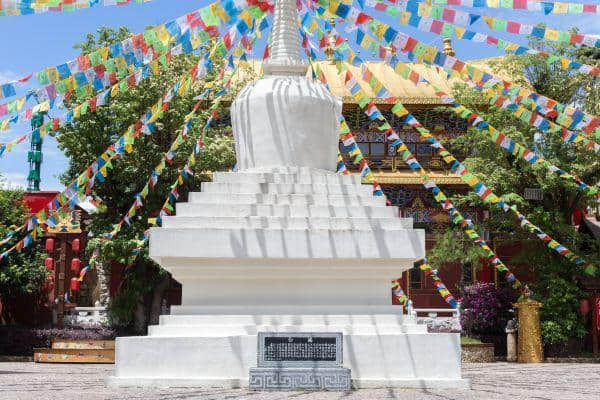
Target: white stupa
[{"x": 286, "y": 245}]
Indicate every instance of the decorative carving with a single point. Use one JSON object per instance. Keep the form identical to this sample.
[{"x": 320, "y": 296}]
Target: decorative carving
[{"x": 300, "y": 378}]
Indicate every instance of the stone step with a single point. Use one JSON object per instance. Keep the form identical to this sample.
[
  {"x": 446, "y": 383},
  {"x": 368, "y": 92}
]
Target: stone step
[
  {"x": 253, "y": 329},
  {"x": 271, "y": 177},
  {"x": 287, "y": 188},
  {"x": 276, "y": 199},
  {"x": 391, "y": 319},
  {"x": 400, "y": 248},
  {"x": 284, "y": 210},
  {"x": 287, "y": 223}
]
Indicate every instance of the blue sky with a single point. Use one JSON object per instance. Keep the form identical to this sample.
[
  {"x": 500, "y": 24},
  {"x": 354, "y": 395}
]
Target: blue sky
[{"x": 31, "y": 42}]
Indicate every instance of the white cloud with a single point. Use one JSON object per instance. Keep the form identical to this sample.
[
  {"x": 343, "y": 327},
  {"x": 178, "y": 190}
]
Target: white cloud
[
  {"x": 13, "y": 180},
  {"x": 8, "y": 75}
]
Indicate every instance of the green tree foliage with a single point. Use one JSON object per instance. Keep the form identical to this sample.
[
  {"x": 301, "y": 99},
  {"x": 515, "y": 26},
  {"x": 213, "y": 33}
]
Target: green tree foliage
[
  {"x": 508, "y": 177},
  {"x": 91, "y": 134},
  {"x": 22, "y": 274}
]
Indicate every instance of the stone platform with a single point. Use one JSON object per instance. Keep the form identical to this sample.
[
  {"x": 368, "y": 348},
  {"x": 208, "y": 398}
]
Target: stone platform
[{"x": 286, "y": 250}]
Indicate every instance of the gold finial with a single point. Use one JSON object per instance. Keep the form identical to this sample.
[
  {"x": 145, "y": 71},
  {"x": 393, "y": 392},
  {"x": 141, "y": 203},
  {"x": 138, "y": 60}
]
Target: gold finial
[
  {"x": 330, "y": 48},
  {"x": 448, "y": 50}
]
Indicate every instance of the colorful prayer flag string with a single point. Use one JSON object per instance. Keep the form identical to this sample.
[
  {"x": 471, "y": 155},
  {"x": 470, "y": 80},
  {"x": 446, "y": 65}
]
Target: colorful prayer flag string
[
  {"x": 574, "y": 118},
  {"x": 464, "y": 18},
  {"x": 506, "y": 143}
]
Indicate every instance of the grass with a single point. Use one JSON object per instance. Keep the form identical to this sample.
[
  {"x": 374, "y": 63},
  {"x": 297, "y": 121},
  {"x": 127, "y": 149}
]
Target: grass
[{"x": 469, "y": 340}]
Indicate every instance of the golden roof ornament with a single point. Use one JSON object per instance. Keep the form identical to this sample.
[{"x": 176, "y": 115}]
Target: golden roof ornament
[{"x": 448, "y": 50}]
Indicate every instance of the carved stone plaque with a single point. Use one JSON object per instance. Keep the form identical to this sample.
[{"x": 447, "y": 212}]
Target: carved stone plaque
[
  {"x": 311, "y": 361},
  {"x": 299, "y": 349}
]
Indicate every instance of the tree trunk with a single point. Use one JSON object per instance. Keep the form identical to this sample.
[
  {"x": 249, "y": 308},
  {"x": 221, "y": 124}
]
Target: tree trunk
[
  {"x": 139, "y": 323},
  {"x": 157, "y": 298},
  {"x": 104, "y": 278}
]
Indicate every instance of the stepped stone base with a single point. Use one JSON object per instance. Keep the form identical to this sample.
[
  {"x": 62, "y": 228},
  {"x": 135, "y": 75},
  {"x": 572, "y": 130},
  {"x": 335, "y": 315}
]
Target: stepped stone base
[{"x": 286, "y": 250}]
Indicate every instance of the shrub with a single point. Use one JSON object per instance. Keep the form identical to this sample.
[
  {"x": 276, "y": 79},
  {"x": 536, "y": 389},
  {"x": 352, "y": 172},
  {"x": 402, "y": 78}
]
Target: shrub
[
  {"x": 560, "y": 320},
  {"x": 485, "y": 309}
]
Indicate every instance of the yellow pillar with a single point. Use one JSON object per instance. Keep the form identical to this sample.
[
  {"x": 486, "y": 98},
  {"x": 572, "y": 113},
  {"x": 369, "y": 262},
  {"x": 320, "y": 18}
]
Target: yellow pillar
[{"x": 530, "y": 338}]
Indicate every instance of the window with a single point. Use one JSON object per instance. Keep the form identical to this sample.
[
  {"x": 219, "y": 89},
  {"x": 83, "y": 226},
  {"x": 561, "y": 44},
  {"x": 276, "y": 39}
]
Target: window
[
  {"x": 377, "y": 149},
  {"x": 466, "y": 277},
  {"x": 415, "y": 276}
]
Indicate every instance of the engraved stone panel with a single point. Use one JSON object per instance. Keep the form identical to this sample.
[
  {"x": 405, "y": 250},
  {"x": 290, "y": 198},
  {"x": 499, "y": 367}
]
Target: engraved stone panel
[{"x": 310, "y": 361}]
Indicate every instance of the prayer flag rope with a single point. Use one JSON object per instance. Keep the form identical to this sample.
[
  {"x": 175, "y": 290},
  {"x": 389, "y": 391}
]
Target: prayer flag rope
[
  {"x": 575, "y": 118},
  {"x": 465, "y": 18},
  {"x": 346, "y": 135},
  {"x": 477, "y": 186},
  {"x": 398, "y": 293},
  {"x": 506, "y": 143},
  {"x": 536, "y": 116},
  {"x": 447, "y": 29},
  {"x": 6, "y": 147},
  {"x": 484, "y": 192},
  {"x": 527, "y": 5},
  {"x": 26, "y": 7},
  {"x": 392, "y": 137},
  {"x": 108, "y": 65},
  {"x": 373, "y": 113},
  {"x": 179, "y": 140},
  {"x": 99, "y": 168},
  {"x": 150, "y": 44}
]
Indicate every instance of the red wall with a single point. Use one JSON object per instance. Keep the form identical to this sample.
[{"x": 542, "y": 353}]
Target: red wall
[{"x": 35, "y": 201}]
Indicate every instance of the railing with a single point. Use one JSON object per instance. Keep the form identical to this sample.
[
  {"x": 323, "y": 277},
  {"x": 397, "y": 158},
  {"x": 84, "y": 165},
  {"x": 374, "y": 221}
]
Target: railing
[
  {"x": 437, "y": 323},
  {"x": 433, "y": 312}
]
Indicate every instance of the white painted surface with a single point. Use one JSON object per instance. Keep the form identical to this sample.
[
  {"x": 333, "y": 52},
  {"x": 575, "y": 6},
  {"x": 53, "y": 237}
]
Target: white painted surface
[
  {"x": 375, "y": 359},
  {"x": 285, "y": 245}
]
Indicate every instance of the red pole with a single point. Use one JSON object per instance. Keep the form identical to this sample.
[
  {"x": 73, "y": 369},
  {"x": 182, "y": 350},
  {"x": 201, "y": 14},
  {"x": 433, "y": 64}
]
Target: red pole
[{"x": 596, "y": 323}]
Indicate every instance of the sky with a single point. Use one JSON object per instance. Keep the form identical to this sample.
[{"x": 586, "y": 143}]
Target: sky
[{"x": 32, "y": 42}]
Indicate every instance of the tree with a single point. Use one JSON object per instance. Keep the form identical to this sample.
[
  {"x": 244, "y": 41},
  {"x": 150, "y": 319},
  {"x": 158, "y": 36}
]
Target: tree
[
  {"x": 508, "y": 177},
  {"x": 83, "y": 141},
  {"x": 22, "y": 274}
]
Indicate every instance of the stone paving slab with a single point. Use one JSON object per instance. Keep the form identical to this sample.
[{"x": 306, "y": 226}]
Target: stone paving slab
[{"x": 494, "y": 381}]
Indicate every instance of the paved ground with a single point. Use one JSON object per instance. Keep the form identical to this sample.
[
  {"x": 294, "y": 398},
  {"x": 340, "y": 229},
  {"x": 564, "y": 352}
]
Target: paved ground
[{"x": 25, "y": 381}]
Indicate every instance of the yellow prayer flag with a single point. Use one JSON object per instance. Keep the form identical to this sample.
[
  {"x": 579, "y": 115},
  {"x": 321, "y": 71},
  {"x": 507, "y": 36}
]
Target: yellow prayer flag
[
  {"x": 560, "y": 8},
  {"x": 488, "y": 20},
  {"x": 52, "y": 73},
  {"x": 424, "y": 10},
  {"x": 551, "y": 34},
  {"x": 114, "y": 90},
  {"x": 104, "y": 53},
  {"x": 404, "y": 18},
  {"x": 154, "y": 66}
]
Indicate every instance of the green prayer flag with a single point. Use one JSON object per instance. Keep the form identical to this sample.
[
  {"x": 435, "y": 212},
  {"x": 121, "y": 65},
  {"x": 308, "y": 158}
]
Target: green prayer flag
[
  {"x": 43, "y": 78},
  {"x": 95, "y": 58},
  {"x": 208, "y": 17},
  {"x": 447, "y": 30}
]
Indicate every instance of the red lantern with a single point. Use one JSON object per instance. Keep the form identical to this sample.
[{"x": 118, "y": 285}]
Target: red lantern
[
  {"x": 49, "y": 285},
  {"x": 49, "y": 245},
  {"x": 49, "y": 263},
  {"x": 75, "y": 245},
  {"x": 584, "y": 307},
  {"x": 75, "y": 284},
  {"x": 75, "y": 266}
]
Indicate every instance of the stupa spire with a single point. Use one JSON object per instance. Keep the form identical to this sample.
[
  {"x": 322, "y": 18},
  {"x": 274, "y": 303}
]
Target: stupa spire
[{"x": 284, "y": 58}]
